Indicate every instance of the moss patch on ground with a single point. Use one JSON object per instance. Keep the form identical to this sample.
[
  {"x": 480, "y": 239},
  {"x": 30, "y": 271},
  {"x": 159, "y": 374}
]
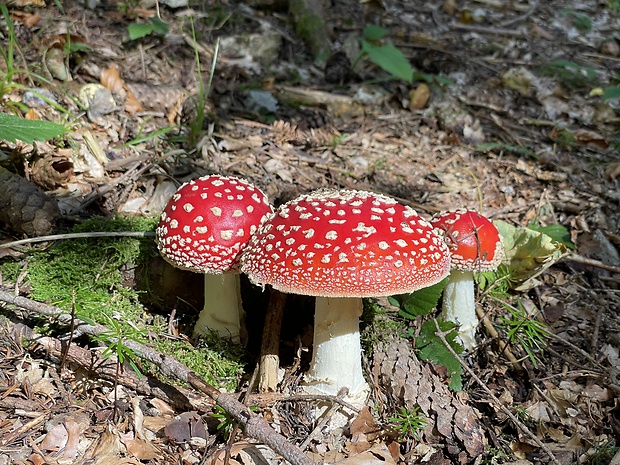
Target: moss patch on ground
[{"x": 98, "y": 275}]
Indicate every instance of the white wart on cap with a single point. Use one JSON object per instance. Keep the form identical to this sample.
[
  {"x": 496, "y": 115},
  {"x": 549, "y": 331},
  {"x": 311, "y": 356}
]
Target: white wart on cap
[{"x": 346, "y": 243}]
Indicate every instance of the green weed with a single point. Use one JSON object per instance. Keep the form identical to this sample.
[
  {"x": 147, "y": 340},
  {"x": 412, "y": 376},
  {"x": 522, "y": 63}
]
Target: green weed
[
  {"x": 524, "y": 330},
  {"x": 391, "y": 59},
  {"x": 217, "y": 363},
  {"x": 582, "y": 22},
  {"x": 602, "y": 453},
  {"x": 572, "y": 75},
  {"x": 115, "y": 339},
  {"x": 408, "y": 422}
]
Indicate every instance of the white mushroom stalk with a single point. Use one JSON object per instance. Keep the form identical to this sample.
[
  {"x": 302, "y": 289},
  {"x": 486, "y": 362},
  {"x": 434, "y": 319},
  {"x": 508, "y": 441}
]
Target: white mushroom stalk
[
  {"x": 204, "y": 228},
  {"x": 336, "y": 355},
  {"x": 476, "y": 246},
  {"x": 341, "y": 246}
]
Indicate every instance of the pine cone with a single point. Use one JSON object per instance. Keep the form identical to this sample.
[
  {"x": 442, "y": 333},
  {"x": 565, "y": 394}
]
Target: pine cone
[
  {"x": 24, "y": 207},
  {"x": 338, "y": 68}
]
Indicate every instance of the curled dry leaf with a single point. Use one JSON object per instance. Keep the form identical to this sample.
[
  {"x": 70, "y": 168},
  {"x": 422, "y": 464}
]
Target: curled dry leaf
[{"x": 111, "y": 79}]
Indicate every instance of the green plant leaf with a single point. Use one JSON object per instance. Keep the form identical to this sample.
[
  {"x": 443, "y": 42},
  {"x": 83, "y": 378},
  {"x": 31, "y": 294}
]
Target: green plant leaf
[
  {"x": 431, "y": 347},
  {"x": 139, "y": 30},
  {"x": 611, "y": 93},
  {"x": 13, "y": 128},
  {"x": 420, "y": 302},
  {"x": 390, "y": 59},
  {"x": 374, "y": 33},
  {"x": 557, "y": 232},
  {"x": 528, "y": 253},
  {"x": 159, "y": 26}
]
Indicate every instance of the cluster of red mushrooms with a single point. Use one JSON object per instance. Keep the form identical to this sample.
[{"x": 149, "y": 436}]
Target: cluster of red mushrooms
[{"x": 336, "y": 245}]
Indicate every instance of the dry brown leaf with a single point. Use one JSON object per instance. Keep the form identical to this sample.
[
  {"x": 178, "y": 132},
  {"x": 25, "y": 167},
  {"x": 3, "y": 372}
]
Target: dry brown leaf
[
  {"x": 218, "y": 457},
  {"x": 36, "y": 459},
  {"x": 140, "y": 448},
  {"x": 590, "y": 138},
  {"x": 111, "y": 78},
  {"x": 27, "y": 19},
  {"x": 613, "y": 171},
  {"x": 132, "y": 105},
  {"x": 364, "y": 427},
  {"x": 376, "y": 455},
  {"x": 31, "y": 115},
  {"x": 27, "y": 3}
]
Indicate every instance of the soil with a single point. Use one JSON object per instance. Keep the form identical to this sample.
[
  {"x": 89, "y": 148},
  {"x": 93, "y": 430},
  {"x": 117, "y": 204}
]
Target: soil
[{"x": 506, "y": 115}]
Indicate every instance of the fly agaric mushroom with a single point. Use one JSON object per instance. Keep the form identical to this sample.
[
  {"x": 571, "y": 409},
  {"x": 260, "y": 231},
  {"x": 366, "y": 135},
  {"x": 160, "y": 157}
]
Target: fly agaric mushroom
[
  {"x": 475, "y": 245},
  {"x": 341, "y": 246},
  {"x": 204, "y": 228}
]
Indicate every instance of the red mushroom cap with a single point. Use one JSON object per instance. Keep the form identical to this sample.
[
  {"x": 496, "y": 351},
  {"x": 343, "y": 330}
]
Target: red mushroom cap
[
  {"x": 345, "y": 244},
  {"x": 473, "y": 240},
  {"x": 208, "y": 221}
]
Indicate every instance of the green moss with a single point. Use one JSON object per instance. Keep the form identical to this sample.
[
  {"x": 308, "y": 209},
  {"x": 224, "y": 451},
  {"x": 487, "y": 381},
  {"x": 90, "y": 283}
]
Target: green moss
[
  {"x": 10, "y": 271},
  {"x": 100, "y": 271},
  {"x": 94, "y": 269},
  {"x": 222, "y": 368},
  {"x": 378, "y": 326}
]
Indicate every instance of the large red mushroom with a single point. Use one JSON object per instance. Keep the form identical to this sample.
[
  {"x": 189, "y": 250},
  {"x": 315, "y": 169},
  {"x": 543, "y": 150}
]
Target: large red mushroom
[
  {"x": 341, "y": 246},
  {"x": 476, "y": 246},
  {"x": 204, "y": 228}
]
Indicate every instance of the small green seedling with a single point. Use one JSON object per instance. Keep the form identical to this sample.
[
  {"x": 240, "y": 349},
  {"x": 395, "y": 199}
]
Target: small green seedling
[
  {"x": 408, "y": 422},
  {"x": 226, "y": 421},
  {"x": 523, "y": 329},
  {"x": 115, "y": 339},
  {"x": 571, "y": 74},
  {"x": 386, "y": 56}
]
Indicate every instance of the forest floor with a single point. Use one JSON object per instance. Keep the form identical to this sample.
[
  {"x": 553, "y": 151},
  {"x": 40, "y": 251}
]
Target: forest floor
[{"x": 513, "y": 110}]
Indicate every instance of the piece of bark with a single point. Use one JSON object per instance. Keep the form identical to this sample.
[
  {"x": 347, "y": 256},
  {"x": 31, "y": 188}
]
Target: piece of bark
[
  {"x": 405, "y": 381},
  {"x": 24, "y": 207}
]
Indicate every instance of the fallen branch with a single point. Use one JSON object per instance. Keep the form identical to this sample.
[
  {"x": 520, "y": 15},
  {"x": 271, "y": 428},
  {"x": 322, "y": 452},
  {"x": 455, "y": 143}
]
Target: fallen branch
[
  {"x": 105, "y": 369},
  {"x": 254, "y": 425}
]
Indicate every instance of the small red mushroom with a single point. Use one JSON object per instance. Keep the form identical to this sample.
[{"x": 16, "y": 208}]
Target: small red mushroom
[
  {"x": 341, "y": 246},
  {"x": 204, "y": 228},
  {"x": 475, "y": 245}
]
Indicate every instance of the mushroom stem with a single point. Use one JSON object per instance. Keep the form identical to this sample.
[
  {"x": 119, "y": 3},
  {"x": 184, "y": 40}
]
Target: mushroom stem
[
  {"x": 459, "y": 306},
  {"x": 336, "y": 358},
  {"x": 222, "y": 309}
]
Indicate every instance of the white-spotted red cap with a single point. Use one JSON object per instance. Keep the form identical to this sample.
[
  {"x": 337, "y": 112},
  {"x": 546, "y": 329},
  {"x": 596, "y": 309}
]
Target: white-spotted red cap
[
  {"x": 208, "y": 221},
  {"x": 473, "y": 240},
  {"x": 345, "y": 244}
]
